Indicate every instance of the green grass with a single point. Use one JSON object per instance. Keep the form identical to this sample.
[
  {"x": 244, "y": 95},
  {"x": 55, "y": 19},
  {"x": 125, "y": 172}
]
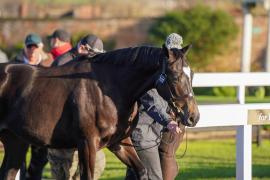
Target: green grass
[{"x": 205, "y": 159}]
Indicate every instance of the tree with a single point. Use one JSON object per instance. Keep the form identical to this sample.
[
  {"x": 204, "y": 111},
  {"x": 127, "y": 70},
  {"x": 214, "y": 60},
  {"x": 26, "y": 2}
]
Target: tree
[{"x": 210, "y": 31}]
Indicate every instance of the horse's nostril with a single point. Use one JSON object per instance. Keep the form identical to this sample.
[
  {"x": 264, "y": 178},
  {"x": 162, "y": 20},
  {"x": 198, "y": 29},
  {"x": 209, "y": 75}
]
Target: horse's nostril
[{"x": 190, "y": 121}]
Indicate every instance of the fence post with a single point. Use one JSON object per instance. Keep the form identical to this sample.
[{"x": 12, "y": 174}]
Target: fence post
[
  {"x": 243, "y": 153},
  {"x": 244, "y": 132},
  {"x": 243, "y": 145}
]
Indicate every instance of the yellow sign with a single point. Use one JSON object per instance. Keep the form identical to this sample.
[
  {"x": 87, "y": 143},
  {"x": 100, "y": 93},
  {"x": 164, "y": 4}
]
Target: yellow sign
[{"x": 259, "y": 116}]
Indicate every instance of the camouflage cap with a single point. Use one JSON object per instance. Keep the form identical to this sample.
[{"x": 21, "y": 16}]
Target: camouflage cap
[{"x": 174, "y": 40}]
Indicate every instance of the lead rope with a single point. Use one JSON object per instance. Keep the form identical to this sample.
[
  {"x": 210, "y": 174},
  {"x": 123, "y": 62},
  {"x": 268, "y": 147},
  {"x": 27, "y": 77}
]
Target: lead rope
[
  {"x": 185, "y": 151},
  {"x": 186, "y": 146}
]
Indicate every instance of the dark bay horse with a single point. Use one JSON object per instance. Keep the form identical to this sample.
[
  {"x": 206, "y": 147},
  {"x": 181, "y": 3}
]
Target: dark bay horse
[{"x": 88, "y": 104}]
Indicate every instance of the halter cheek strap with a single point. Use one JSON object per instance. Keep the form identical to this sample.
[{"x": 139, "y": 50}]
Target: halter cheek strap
[
  {"x": 162, "y": 77},
  {"x": 162, "y": 84}
]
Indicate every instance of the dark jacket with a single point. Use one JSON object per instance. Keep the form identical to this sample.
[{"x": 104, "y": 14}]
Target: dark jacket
[
  {"x": 19, "y": 58},
  {"x": 66, "y": 57},
  {"x": 152, "y": 118}
]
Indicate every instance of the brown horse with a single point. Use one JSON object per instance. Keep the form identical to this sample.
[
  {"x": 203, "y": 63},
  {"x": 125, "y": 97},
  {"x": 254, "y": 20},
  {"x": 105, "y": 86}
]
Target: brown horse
[{"x": 88, "y": 104}]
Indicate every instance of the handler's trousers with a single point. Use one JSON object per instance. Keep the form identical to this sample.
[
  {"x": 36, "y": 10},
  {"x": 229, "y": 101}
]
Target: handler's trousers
[
  {"x": 166, "y": 167},
  {"x": 167, "y": 149},
  {"x": 37, "y": 163},
  {"x": 65, "y": 162}
]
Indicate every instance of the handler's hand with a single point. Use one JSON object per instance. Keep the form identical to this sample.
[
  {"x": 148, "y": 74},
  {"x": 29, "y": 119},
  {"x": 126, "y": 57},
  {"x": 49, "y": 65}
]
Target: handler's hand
[{"x": 173, "y": 127}]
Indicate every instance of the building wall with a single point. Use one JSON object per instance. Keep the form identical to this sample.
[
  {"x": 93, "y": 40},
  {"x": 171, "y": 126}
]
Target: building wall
[{"x": 125, "y": 31}]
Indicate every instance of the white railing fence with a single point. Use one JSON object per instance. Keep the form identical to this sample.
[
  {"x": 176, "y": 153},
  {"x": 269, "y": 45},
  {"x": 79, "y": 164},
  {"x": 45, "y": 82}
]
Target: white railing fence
[{"x": 233, "y": 114}]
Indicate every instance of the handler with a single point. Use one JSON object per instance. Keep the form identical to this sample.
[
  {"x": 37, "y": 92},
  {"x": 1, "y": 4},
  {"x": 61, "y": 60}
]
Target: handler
[{"x": 156, "y": 149}]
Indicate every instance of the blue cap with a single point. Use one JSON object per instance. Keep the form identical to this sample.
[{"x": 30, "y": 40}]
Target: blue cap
[{"x": 32, "y": 39}]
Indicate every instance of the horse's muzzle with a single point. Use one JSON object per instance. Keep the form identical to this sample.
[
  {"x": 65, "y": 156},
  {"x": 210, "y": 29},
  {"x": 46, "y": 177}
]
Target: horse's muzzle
[
  {"x": 192, "y": 120},
  {"x": 186, "y": 118},
  {"x": 184, "y": 115}
]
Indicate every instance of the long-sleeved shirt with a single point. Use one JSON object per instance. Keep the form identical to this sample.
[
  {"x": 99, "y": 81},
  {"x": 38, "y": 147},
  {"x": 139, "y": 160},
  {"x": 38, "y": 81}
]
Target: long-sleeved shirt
[
  {"x": 152, "y": 118},
  {"x": 153, "y": 106}
]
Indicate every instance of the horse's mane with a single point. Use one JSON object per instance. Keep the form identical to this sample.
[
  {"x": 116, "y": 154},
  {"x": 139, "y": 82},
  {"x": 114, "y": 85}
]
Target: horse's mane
[{"x": 139, "y": 56}]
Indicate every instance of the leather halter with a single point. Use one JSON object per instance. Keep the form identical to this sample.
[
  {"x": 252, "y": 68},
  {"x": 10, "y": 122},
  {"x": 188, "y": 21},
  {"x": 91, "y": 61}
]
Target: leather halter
[{"x": 162, "y": 83}]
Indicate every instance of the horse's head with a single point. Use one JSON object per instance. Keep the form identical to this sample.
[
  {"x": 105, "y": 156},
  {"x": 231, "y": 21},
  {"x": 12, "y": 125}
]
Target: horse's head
[{"x": 174, "y": 84}]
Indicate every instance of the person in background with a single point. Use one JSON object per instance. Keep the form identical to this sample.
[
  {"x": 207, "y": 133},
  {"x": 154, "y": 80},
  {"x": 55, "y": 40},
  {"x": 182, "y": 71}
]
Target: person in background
[
  {"x": 3, "y": 57},
  {"x": 64, "y": 162},
  {"x": 154, "y": 119},
  {"x": 60, "y": 42},
  {"x": 89, "y": 45},
  {"x": 33, "y": 54}
]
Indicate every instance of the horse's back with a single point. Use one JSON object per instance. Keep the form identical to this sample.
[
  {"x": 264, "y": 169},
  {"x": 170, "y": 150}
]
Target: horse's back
[{"x": 14, "y": 78}]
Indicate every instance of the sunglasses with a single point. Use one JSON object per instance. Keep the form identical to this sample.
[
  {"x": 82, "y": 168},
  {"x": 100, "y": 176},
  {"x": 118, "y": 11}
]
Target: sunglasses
[
  {"x": 87, "y": 47},
  {"x": 31, "y": 45}
]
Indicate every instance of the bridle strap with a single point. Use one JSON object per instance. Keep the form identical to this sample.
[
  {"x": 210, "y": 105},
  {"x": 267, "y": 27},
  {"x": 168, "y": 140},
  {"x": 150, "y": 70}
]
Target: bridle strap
[
  {"x": 163, "y": 70},
  {"x": 162, "y": 82}
]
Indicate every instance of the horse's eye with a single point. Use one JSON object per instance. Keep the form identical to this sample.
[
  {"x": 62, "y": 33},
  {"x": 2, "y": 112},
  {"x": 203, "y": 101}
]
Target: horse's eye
[{"x": 175, "y": 78}]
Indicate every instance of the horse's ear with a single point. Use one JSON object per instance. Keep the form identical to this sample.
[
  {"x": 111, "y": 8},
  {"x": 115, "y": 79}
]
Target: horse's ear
[
  {"x": 173, "y": 53},
  {"x": 186, "y": 49},
  {"x": 165, "y": 50}
]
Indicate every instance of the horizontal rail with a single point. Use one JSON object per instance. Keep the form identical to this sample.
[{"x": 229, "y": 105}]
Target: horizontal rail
[
  {"x": 231, "y": 79},
  {"x": 227, "y": 114}
]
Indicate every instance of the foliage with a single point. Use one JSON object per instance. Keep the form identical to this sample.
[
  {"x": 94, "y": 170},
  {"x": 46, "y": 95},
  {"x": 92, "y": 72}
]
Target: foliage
[
  {"x": 267, "y": 90},
  {"x": 209, "y": 30},
  {"x": 266, "y": 127},
  {"x": 216, "y": 91},
  {"x": 13, "y": 50},
  {"x": 203, "y": 91},
  {"x": 225, "y": 91},
  {"x": 258, "y": 92}
]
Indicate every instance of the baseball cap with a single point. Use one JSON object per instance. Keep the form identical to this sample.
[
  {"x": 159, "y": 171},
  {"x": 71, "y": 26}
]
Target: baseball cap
[
  {"x": 61, "y": 34},
  {"x": 32, "y": 39},
  {"x": 95, "y": 44},
  {"x": 174, "y": 40}
]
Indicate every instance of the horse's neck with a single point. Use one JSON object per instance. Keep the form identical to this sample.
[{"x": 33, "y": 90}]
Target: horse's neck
[{"x": 135, "y": 83}]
